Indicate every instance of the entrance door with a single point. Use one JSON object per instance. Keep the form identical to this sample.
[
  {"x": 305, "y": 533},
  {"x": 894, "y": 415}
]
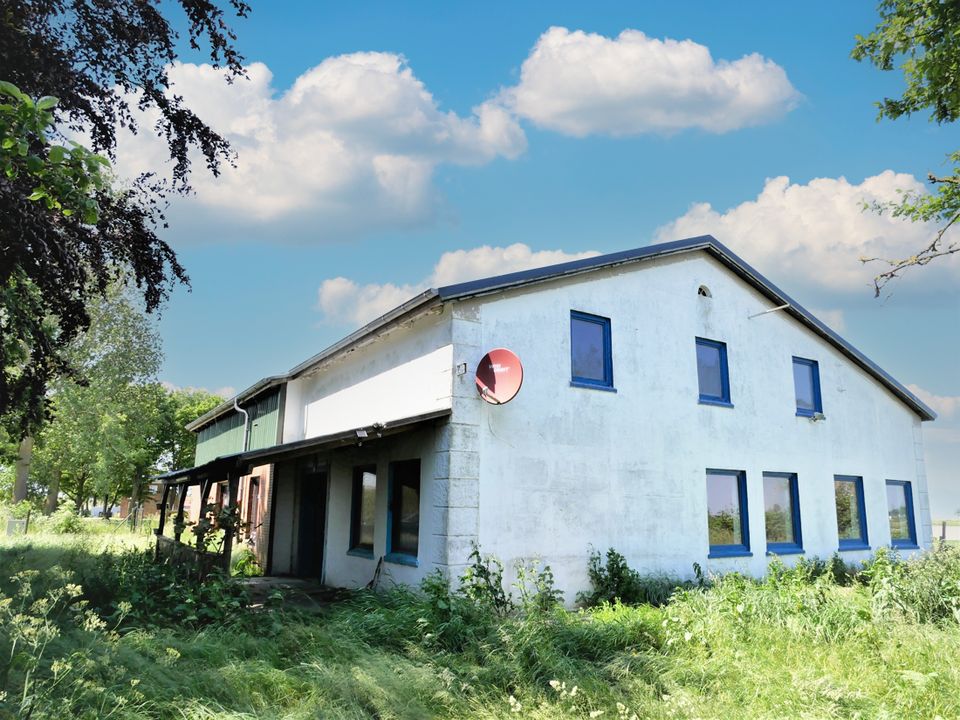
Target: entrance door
[{"x": 313, "y": 514}]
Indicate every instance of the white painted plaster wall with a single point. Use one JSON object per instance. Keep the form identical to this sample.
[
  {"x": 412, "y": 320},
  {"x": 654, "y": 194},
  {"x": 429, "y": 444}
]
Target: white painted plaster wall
[
  {"x": 405, "y": 373},
  {"x": 563, "y": 468},
  {"x": 342, "y": 569}
]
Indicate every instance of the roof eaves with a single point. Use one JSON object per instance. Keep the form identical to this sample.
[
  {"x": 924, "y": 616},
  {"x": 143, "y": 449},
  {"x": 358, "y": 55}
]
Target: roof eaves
[
  {"x": 414, "y": 303},
  {"x": 266, "y": 383},
  {"x": 755, "y": 278}
]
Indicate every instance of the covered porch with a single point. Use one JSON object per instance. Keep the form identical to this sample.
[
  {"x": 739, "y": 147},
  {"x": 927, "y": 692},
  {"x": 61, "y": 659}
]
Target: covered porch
[{"x": 278, "y": 500}]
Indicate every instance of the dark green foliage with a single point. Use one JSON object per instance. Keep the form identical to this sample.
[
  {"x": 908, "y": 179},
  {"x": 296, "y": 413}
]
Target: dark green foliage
[
  {"x": 158, "y": 593},
  {"x": 96, "y": 63},
  {"x": 614, "y": 580}
]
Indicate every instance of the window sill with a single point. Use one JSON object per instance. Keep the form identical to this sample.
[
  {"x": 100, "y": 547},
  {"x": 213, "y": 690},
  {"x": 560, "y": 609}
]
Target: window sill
[
  {"x": 402, "y": 559},
  {"x": 718, "y": 403},
  {"x": 855, "y": 546},
  {"x": 809, "y": 413},
  {"x": 785, "y": 550},
  {"x": 903, "y": 545},
  {"x": 592, "y": 386},
  {"x": 727, "y": 553},
  {"x": 360, "y": 552}
]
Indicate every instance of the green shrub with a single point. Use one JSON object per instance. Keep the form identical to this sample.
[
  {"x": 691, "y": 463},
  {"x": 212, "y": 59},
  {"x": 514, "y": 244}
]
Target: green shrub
[
  {"x": 159, "y": 593},
  {"x": 536, "y": 587},
  {"x": 21, "y": 509},
  {"x": 925, "y": 589},
  {"x": 614, "y": 580},
  {"x": 482, "y": 582},
  {"x": 244, "y": 563},
  {"x": 64, "y": 522}
]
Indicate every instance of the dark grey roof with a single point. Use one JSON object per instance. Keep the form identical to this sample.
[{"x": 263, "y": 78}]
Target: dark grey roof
[
  {"x": 574, "y": 267},
  {"x": 500, "y": 283}
]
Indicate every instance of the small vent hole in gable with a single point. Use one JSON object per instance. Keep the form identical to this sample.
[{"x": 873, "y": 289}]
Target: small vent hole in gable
[{"x": 704, "y": 291}]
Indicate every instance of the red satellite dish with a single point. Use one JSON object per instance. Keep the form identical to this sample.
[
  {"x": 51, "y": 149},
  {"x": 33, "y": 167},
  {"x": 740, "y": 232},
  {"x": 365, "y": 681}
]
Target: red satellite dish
[{"x": 499, "y": 376}]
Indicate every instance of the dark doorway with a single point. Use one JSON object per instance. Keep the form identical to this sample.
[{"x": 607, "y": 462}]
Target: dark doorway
[{"x": 313, "y": 513}]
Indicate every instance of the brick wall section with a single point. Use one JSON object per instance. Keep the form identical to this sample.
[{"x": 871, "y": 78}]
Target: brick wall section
[{"x": 266, "y": 495}]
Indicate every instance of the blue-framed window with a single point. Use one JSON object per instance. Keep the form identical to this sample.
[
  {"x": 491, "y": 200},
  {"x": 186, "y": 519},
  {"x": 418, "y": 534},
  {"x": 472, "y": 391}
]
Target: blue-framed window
[
  {"x": 903, "y": 529},
  {"x": 403, "y": 512},
  {"x": 727, "y": 521},
  {"x": 363, "y": 509},
  {"x": 591, "y": 356},
  {"x": 806, "y": 386},
  {"x": 781, "y": 513},
  {"x": 851, "y": 512},
  {"x": 712, "y": 373}
]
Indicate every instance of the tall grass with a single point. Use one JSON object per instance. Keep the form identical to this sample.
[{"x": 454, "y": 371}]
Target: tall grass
[{"x": 805, "y": 642}]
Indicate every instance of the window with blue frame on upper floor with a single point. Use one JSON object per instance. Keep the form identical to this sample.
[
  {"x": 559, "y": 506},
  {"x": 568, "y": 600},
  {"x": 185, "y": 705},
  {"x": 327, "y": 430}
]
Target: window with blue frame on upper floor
[
  {"x": 362, "y": 510},
  {"x": 903, "y": 529},
  {"x": 727, "y": 524},
  {"x": 781, "y": 513},
  {"x": 806, "y": 385},
  {"x": 712, "y": 374},
  {"x": 851, "y": 512},
  {"x": 403, "y": 512},
  {"x": 591, "y": 358}
]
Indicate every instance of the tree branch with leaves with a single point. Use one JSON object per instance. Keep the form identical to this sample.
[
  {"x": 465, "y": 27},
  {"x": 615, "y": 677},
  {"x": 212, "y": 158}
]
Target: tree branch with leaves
[
  {"x": 921, "y": 38},
  {"x": 86, "y": 67}
]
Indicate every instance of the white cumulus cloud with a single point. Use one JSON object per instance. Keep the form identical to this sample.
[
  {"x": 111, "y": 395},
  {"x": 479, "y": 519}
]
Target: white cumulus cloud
[
  {"x": 815, "y": 233},
  {"x": 580, "y": 83},
  {"x": 343, "y": 300},
  {"x": 833, "y": 318},
  {"x": 353, "y": 143},
  {"x": 946, "y": 406}
]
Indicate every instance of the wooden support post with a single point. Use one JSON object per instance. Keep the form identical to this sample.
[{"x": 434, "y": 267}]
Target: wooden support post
[
  {"x": 233, "y": 490},
  {"x": 204, "y": 495},
  {"x": 178, "y": 523},
  {"x": 163, "y": 510},
  {"x": 163, "y": 517}
]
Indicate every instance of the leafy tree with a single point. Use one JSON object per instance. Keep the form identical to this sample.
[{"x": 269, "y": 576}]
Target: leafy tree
[
  {"x": 107, "y": 432},
  {"x": 922, "y": 38},
  {"x": 185, "y": 406},
  {"x": 66, "y": 234}
]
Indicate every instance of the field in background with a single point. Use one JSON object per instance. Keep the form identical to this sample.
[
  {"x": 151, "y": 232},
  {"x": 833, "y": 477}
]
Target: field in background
[{"x": 803, "y": 644}]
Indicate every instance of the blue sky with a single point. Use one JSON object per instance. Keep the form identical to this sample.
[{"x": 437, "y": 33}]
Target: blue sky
[{"x": 415, "y": 130}]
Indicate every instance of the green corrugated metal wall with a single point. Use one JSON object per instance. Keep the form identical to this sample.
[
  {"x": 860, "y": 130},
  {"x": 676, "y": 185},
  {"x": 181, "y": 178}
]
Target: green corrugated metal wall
[
  {"x": 264, "y": 416},
  {"x": 225, "y": 436}
]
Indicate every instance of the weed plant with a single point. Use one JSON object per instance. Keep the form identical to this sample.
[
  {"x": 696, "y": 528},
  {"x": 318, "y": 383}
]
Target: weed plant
[{"x": 817, "y": 639}]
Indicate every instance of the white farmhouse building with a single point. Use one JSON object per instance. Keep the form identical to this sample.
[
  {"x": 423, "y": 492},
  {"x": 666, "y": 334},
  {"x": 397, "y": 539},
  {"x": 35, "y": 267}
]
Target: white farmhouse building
[{"x": 675, "y": 405}]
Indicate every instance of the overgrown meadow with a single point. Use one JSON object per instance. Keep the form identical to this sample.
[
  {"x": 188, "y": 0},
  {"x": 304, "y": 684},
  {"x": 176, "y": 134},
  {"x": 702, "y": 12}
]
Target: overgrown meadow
[{"x": 91, "y": 628}]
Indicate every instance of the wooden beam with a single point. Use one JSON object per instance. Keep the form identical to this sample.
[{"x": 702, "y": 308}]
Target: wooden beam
[
  {"x": 233, "y": 490},
  {"x": 204, "y": 496},
  {"x": 163, "y": 518},
  {"x": 178, "y": 523}
]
